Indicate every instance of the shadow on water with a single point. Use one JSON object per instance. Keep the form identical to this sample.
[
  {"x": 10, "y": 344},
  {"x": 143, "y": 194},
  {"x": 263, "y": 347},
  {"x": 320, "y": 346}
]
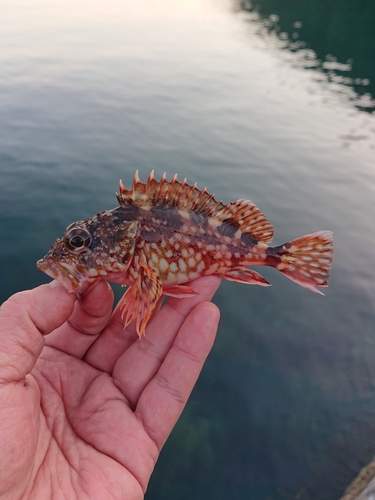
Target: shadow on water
[{"x": 335, "y": 38}]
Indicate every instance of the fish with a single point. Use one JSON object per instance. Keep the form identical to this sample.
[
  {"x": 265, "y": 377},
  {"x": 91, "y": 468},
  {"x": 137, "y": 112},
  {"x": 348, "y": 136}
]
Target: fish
[{"x": 165, "y": 234}]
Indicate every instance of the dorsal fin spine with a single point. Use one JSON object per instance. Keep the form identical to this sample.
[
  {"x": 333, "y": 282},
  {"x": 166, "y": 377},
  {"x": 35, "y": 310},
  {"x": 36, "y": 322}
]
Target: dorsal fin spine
[
  {"x": 242, "y": 214},
  {"x": 177, "y": 195},
  {"x": 136, "y": 180}
]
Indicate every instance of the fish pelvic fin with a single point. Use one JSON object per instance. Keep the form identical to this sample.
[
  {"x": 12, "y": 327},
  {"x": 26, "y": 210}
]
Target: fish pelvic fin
[
  {"x": 141, "y": 299},
  {"x": 247, "y": 276},
  {"x": 179, "y": 291},
  {"x": 306, "y": 260}
]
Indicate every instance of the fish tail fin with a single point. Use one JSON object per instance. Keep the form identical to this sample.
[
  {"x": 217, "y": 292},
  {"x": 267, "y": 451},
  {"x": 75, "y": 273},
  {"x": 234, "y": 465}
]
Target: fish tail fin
[{"x": 307, "y": 260}]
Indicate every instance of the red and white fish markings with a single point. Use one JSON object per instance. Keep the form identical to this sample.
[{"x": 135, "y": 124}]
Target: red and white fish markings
[{"x": 167, "y": 233}]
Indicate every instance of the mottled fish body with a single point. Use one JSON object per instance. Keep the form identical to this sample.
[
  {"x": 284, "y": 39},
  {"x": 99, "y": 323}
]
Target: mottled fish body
[{"x": 167, "y": 233}]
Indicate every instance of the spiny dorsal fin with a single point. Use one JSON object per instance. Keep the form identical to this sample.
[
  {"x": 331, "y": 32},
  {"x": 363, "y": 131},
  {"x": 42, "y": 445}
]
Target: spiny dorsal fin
[{"x": 242, "y": 214}]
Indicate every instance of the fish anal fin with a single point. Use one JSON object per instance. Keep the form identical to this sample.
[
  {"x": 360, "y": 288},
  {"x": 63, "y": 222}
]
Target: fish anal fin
[
  {"x": 179, "y": 291},
  {"x": 141, "y": 298},
  {"x": 247, "y": 276},
  {"x": 307, "y": 260}
]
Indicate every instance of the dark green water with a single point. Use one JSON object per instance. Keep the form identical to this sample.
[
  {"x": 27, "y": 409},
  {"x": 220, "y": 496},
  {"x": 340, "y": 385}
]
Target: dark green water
[
  {"x": 271, "y": 101},
  {"x": 339, "y": 32}
]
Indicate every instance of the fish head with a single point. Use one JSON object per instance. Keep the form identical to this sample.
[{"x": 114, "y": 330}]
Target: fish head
[{"x": 102, "y": 246}]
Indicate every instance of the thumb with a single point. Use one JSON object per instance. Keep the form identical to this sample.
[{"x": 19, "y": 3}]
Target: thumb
[{"x": 24, "y": 319}]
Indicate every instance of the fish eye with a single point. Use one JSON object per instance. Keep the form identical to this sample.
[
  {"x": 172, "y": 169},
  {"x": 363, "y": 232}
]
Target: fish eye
[{"x": 77, "y": 239}]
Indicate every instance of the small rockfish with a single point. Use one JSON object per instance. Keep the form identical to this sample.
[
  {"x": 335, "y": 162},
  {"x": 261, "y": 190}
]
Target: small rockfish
[{"x": 167, "y": 233}]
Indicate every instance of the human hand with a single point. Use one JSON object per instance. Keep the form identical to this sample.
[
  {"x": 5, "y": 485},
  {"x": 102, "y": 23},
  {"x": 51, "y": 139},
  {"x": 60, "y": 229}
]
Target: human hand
[{"x": 85, "y": 410}]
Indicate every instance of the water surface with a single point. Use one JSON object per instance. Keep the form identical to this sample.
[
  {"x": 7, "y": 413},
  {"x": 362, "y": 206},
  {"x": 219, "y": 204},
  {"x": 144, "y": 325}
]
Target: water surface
[{"x": 220, "y": 93}]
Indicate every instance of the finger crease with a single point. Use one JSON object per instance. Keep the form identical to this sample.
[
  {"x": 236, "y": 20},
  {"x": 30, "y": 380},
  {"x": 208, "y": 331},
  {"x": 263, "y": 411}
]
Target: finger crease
[
  {"x": 186, "y": 354},
  {"x": 166, "y": 385},
  {"x": 81, "y": 330}
]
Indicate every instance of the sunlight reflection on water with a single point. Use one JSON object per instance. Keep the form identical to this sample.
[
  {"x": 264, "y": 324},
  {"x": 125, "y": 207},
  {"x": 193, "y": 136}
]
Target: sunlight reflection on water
[{"x": 333, "y": 71}]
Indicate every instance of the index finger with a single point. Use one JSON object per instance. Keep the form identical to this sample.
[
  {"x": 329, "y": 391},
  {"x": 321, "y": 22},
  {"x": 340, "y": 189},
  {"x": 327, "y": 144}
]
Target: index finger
[{"x": 90, "y": 315}]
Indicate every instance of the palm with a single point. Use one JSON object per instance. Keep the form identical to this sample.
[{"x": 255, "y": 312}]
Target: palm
[
  {"x": 83, "y": 415},
  {"x": 92, "y": 418}
]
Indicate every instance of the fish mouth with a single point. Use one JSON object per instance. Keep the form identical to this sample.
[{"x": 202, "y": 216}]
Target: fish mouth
[{"x": 70, "y": 278}]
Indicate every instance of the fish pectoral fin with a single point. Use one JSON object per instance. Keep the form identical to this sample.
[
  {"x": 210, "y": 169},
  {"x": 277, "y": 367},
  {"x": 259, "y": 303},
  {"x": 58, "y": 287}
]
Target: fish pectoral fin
[
  {"x": 245, "y": 276},
  {"x": 140, "y": 300},
  {"x": 179, "y": 291}
]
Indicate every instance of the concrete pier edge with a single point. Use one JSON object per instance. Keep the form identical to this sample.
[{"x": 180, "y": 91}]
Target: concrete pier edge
[{"x": 363, "y": 486}]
